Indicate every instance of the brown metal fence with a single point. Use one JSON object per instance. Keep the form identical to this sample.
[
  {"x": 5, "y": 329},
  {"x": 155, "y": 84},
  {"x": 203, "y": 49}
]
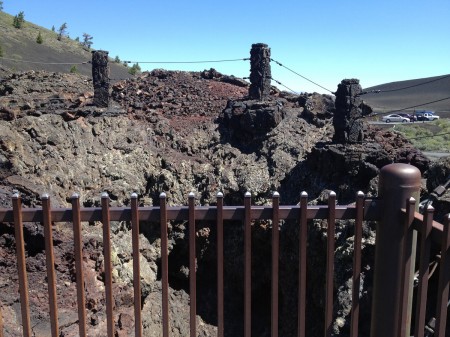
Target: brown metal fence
[{"x": 397, "y": 182}]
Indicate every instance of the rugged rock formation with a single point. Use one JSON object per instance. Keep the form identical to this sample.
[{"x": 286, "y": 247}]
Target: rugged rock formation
[
  {"x": 347, "y": 121},
  {"x": 246, "y": 123},
  {"x": 260, "y": 72},
  {"x": 162, "y": 132},
  {"x": 439, "y": 175},
  {"x": 100, "y": 77},
  {"x": 317, "y": 109}
]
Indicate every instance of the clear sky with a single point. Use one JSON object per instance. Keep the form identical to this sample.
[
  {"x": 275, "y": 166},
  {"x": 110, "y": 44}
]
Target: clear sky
[{"x": 326, "y": 41}]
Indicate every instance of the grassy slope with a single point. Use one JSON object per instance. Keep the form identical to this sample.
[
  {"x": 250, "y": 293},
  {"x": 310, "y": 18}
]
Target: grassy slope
[
  {"x": 20, "y": 44},
  {"x": 429, "y": 136}
]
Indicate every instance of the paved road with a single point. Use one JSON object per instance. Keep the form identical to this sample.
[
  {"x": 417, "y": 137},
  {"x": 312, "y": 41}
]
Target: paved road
[
  {"x": 436, "y": 155},
  {"x": 394, "y": 123}
]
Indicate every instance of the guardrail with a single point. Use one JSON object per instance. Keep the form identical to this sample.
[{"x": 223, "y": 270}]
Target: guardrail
[{"x": 394, "y": 261}]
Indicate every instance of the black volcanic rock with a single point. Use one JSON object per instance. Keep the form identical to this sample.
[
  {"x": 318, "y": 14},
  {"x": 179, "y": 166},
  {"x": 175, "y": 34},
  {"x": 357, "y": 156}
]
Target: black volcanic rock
[
  {"x": 249, "y": 121},
  {"x": 169, "y": 131}
]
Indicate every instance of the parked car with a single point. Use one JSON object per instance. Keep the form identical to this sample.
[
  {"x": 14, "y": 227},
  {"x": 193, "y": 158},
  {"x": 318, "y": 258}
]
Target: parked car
[
  {"x": 394, "y": 118},
  {"x": 411, "y": 118},
  {"x": 423, "y": 111},
  {"x": 426, "y": 116}
]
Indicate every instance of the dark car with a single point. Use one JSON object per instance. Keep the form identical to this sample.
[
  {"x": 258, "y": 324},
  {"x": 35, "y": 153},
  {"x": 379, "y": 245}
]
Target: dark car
[
  {"x": 412, "y": 118},
  {"x": 421, "y": 117},
  {"x": 426, "y": 116}
]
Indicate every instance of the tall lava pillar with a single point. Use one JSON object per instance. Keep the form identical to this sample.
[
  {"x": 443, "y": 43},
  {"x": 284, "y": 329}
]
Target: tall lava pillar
[
  {"x": 260, "y": 73},
  {"x": 348, "y": 125},
  {"x": 100, "y": 77}
]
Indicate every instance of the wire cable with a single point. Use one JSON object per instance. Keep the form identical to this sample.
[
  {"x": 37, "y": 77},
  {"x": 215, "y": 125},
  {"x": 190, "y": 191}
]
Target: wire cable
[
  {"x": 403, "y": 109},
  {"x": 48, "y": 63},
  {"x": 282, "y": 85},
  {"x": 296, "y": 73},
  {"x": 403, "y": 88},
  {"x": 431, "y": 136},
  {"x": 174, "y": 62}
]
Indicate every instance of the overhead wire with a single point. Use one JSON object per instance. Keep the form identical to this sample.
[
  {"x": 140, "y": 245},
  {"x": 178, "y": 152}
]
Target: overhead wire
[
  {"x": 46, "y": 63},
  {"x": 432, "y": 136},
  {"x": 282, "y": 85},
  {"x": 403, "y": 109},
  {"x": 296, "y": 73},
  {"x": 246, "y": 59},
  {"x": 139, "y": 62},
  {"x": 403, "y": 88},
  {"x": 175, "y": 62}
]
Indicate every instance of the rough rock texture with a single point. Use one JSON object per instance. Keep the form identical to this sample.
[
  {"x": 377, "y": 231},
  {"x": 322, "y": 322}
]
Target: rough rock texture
[
  {"x": 162, "y": 133},
  {"x": 317, "y": 109},
  {"x": 100, "y": 77},
  {"x": 246, "y": 123},
  {"x": 439, "y": 175},
  {"x": 260, "y": 72},
  {"x": 349, "y": 127}
]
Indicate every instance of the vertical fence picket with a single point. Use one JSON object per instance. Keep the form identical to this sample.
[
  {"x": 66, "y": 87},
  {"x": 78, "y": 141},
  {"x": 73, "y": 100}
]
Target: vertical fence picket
[
  {"x": 302, "y": 244},
  {"x": 220, "y": 313},
  {"x": 78, "y": 252},
  {"x": 357, "y": 264},
  {"x": 407, "y": 243},
  {"x": 50, "y": 264},
  {"x": 106, "y": 220},
  {"x": 136, "y": 265},
  {"x": 444, "y": 281},
  {"x": 425, "y": 244},
  {"x": 21, "y": 265},
  {"x": 192, "y": 267},
  {"x": 247, "y": 266},
  {"x": 164, "y": 265},
  {"x": 275, "y": 260},
  {"x": 330, "y": 264}
]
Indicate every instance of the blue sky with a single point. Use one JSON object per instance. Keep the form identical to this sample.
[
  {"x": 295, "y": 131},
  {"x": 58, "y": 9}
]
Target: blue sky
[{"x": 326, "y": 41}]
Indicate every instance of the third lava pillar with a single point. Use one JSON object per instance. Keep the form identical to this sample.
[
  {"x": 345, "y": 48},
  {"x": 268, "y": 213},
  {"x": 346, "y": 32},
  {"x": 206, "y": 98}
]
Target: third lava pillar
[
  {"x": 100, "y": 78},
  {"x": 260, "y": 73}
]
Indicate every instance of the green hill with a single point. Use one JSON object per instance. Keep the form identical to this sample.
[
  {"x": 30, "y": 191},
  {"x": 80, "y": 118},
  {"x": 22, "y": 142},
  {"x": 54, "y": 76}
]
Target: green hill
[{"x": 21, "y": 52}]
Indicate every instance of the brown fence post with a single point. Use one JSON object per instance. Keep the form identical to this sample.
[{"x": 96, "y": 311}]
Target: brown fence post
[{"x": 397, "y": 184}]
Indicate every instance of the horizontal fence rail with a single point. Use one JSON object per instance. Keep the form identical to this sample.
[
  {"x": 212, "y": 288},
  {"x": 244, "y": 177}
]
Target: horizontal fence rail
[{"x": 363, "y": 209}]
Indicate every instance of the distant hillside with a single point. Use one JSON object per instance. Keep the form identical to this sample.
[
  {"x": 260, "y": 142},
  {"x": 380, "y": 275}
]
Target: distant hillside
[
  {"x": 21, "y": 45},
  {"x": 414, "y": 92}
]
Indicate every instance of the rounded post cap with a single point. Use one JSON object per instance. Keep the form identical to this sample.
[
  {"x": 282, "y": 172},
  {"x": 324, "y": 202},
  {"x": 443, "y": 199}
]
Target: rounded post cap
[{"x": 400, "y": 176}]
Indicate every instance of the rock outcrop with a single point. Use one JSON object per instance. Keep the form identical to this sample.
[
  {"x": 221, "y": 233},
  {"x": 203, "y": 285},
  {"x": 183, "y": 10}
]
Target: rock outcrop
[
  {"x": 348, "y": 125},
  {"x": 169, "y": 131}
]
